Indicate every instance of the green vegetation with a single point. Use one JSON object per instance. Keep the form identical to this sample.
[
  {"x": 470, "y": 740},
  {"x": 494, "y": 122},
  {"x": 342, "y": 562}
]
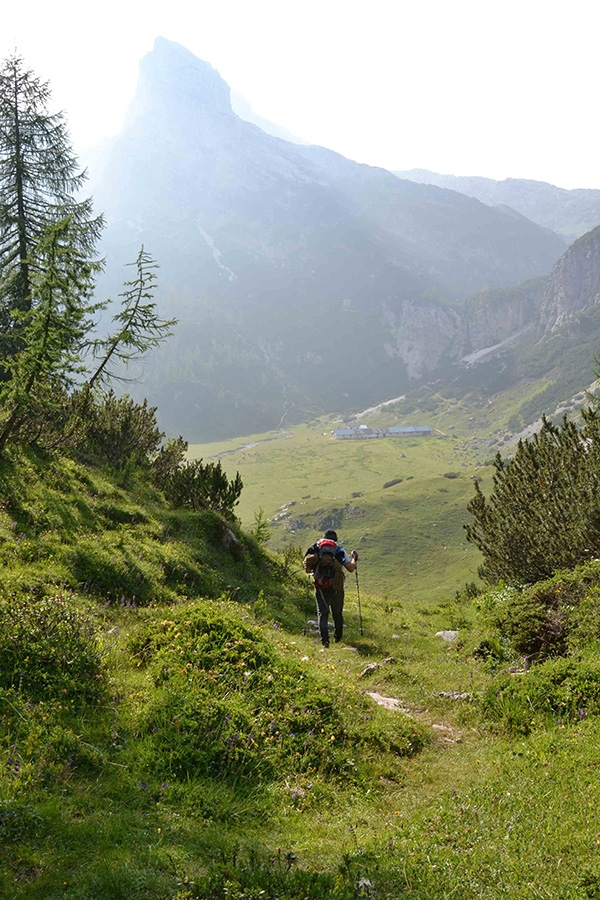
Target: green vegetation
[
  {"x": 409, "y": 534},
  {"x": 171, "y": 730},
  {"x": 170, "y": 726},
  {"x": 542, "y": 514},
  {"x": 192, "y": 741},
  {"x": 39, "y": 183}
]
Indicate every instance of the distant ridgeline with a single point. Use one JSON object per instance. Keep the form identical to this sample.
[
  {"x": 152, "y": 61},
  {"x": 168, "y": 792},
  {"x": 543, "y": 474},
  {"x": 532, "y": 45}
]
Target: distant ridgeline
[
  {"x": 363, "y": 432},
  {"x": 567, "y": 212}
]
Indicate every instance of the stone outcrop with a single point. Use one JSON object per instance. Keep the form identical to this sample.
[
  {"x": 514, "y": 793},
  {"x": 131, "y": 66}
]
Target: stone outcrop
[
  {"x": 574, "y": 283},
  {"x": 419, "y": 335},
  {"x": 491, "y": 318}
]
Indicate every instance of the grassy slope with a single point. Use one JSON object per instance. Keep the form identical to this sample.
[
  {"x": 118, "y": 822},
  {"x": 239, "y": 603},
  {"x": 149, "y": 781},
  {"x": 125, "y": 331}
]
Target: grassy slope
[{"x": 91, "y": 807}]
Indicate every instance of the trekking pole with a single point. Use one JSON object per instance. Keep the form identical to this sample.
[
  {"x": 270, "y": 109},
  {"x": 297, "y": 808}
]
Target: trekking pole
[{"x": 358, "y": 595}]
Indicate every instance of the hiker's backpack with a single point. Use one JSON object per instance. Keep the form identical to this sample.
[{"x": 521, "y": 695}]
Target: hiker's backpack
[{"x": 328, "y": 572}]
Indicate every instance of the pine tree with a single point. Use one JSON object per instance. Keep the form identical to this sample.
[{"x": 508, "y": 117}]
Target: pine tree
[
  {"x": 544, "y": 511},
  {"x": 39, "y": 182}
]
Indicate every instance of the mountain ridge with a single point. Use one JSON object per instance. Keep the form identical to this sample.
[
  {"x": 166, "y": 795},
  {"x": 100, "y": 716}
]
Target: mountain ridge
[
  {"x": 261, "y": 241},
  {"x": 570, "y": 213}
]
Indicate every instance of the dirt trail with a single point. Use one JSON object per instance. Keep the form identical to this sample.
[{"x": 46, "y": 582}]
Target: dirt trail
[{"x": 445, "y": 733}]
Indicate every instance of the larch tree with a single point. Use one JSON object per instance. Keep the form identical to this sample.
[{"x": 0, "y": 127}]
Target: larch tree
[
  {"x": 40, "y": 181},
  {"x": 47, "y": 271},
  {"x": 138, "y": 327}
]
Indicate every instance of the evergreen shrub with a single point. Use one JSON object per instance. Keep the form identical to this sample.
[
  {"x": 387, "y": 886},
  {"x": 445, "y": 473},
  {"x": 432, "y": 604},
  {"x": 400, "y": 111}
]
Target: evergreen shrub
[
  {"x": 550, "y": 618},
  {"x": 543, "y": 513},
  {"x": 121, "y": 432},
  {"x": 197, "y": 486}
]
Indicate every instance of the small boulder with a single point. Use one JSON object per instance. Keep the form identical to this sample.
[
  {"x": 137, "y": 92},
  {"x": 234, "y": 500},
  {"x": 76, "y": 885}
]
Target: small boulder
[
  {"x": 447, "y": 635},
  {"x": 370, "y": 670}
]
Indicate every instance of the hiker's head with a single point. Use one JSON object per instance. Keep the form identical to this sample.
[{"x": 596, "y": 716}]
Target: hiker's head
[{"x": 330, "y": 535}]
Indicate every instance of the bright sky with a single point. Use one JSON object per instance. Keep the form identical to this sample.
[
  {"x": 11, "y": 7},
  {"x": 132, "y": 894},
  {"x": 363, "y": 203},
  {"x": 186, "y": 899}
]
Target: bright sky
[{"x": 500, "y": 88}]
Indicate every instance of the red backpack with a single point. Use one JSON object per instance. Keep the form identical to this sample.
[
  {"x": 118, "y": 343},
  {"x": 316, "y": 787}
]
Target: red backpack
[{"x": 325, "y": 571}]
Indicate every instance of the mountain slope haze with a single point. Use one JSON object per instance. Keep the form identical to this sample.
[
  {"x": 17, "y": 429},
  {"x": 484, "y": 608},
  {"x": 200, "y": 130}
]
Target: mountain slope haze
[{"x": 303, "y": 281}]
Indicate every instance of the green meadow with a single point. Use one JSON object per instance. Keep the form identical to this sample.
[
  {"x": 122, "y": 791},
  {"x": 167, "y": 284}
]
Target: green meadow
[{"x": 409, "y": 535}]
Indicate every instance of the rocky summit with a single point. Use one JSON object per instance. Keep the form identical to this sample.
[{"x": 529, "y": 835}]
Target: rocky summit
[{"x": 302, "y": 281}]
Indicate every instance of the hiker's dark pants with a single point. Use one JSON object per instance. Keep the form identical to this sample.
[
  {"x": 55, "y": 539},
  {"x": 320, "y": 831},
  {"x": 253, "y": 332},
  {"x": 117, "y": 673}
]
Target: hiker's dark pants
[{"x": 328, "y": 599}]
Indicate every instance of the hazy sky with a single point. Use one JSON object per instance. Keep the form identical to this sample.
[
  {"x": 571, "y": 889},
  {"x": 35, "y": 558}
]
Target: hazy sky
[{"x": 501, "y": 88}]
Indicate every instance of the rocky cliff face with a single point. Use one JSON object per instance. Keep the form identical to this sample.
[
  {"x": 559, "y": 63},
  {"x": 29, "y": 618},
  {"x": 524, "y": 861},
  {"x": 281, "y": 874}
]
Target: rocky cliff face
[
  {"x": 547, "y": 329},
  {"x": 419, "y": 336},
  {"x": 490, "y": 318},
  {"x": 574, "y": 283}
]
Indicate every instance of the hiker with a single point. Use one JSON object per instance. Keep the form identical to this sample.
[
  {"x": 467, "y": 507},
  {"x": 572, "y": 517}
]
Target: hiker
[{"x": 326, "y": 561}]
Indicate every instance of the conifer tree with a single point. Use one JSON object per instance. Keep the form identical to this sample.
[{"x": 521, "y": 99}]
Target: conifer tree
[
  {"x": 47, "y": 270},
  {"x": 138, "y": 327},
  {"x": 39, "y": 182},
  {"x": 544, "y": 511},
  {"x": 52, "y": 332}
]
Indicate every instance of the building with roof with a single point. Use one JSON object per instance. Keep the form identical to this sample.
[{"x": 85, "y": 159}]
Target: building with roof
[{"x": 363, "y": 432}]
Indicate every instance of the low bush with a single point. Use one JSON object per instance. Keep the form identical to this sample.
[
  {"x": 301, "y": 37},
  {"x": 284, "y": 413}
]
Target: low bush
[
  {"x": 227, "y": 704},
  {"x": 196, "y": 485},
  {"x": 559, "y": 690},
  {"x": 121, "y": 432},
  {"x": 49, "y": 649},
  {"x": 551, "y": 617},
  {"x": 43, "y": 743}
]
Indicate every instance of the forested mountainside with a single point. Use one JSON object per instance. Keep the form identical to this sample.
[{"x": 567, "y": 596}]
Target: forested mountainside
[{"x": 262, "y": 243}]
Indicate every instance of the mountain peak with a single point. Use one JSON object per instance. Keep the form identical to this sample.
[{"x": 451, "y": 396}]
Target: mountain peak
[{"x": 171, "y": 75}]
